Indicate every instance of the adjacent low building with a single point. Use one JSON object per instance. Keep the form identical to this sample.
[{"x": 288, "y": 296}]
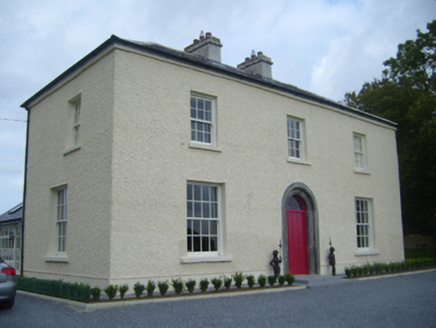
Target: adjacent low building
[
  {"x": 145, "y": 162},
  {"x": 10, "y": 236}
]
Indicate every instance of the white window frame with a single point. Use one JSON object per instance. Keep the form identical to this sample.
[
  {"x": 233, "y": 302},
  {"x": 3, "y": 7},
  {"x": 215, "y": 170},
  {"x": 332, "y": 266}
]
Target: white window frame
[
  {"x": 61, "y": 220},
  {"x": 202, "y": 118},
  {"x": 197, "y": 206},
  {"x": 364, "y": 224},
  {"x": 73, "y": 133},
  {"x": 359, "y": 147},
  {"x": 296, "y": 139},
  {"x": 76, "y": 123}
]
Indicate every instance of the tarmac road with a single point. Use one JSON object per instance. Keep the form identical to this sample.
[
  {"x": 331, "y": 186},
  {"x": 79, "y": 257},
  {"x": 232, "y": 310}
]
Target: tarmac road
[{"x": 401, "y": 301}]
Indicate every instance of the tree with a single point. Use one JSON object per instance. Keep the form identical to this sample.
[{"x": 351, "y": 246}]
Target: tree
[{"x": 406, "y": 94}]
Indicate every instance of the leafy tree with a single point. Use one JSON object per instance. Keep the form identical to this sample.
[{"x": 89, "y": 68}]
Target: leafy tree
[{"x": 406, "y": 94}]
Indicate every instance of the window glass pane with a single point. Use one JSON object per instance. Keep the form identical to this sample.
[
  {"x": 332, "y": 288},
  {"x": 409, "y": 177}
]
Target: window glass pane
[
  {"x": 189, "y": 192},
  {"x": 189, "y": 226},
  {"x": 213, "y": 244},
  {"x": 197, "y": 244},
  {"x": 193, "y": 102},
  {"x": 206, "y": 210},
  {"x": 213, "y": 227},
  {"x": 205, "y": 227},
  {"x": 196, "y": 227},
  {"x": 189, "y": 209},
  {"x": 200, "y": 103},
  {"x": 208, "y": 106},
  {"x": 189, "y": 244},
  {"x": 214, "y": 210},
  {"x": 200, "y": 115},
  {"x": 205, "y": 244},
  {"x": 197, "y": 209},
  {"x": 197, "y": 192},
  {"x": 206, "y": 193},
  {"x": 193, "y": 113}
]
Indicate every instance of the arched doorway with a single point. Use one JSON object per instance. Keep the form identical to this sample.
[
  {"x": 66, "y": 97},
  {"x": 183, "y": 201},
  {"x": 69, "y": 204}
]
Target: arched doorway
[
  {"x": 297, "y": 235},
  {"x": 300, "y": 230}
]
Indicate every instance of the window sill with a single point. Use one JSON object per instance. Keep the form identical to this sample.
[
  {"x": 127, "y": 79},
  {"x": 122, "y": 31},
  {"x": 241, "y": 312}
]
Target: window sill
[
  {"x": 367, "y": 253},
  {"x": 196, "y": 145},
  {"x": 297, "y": 161},
  {"x": 362, "y": 172},
  {"x": 58, "y": 258},
  {"x": 71, "y": 150},
  {"x": 206, "y": 259}
]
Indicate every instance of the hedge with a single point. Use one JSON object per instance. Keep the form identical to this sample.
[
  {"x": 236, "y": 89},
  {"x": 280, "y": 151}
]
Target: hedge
[{"x": 57, "y": 288}]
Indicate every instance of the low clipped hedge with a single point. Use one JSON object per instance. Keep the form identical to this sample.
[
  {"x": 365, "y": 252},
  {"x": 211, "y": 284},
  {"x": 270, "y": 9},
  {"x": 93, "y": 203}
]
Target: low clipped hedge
[
  {"x": 389, "y": 268},
  {"x": 57, "y": 288}
]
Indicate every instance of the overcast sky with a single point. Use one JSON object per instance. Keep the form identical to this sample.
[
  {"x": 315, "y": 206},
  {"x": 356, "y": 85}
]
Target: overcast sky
[{"x": 328, "y": 47}]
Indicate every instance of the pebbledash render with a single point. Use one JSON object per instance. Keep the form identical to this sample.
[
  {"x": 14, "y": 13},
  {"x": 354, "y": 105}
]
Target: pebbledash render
[{"x": 145, "y": 162}]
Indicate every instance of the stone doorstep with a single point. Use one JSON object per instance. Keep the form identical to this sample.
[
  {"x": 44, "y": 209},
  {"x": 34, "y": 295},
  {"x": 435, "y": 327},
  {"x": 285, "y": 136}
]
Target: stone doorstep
[{"x": 158, "y": 299}]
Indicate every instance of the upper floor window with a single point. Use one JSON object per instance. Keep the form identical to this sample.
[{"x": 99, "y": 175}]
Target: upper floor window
[
  {"x": 295, "y": 138},
  {"x": 74, "y": 117},
  {"x": 359, "y": 152},
  {"x": 76, "y": 123},
  {"x": 203, "y": 119}
]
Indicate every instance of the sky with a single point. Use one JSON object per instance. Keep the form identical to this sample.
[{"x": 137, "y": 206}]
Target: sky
[{"x": 328, "y": 47}]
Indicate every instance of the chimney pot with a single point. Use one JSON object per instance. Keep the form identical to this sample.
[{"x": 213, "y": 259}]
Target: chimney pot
[
  {"x": 196, "y": 41},
  {"x": 247, "y": 59},
  {"x": 208, "y": 34},
  {"x": 201, "y": 35},
  {"x": 259, "y": 53}
]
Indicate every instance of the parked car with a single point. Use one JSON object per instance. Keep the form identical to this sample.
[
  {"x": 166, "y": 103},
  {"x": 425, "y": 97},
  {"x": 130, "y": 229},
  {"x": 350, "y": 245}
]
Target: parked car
[{"x": 8, "y": 285}]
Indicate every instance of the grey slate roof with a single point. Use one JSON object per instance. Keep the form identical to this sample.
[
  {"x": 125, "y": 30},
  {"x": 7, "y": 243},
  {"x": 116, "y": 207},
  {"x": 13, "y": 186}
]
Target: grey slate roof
[
  {"x": 205, "y": 63},
  {"x": 14, "y": 215}
]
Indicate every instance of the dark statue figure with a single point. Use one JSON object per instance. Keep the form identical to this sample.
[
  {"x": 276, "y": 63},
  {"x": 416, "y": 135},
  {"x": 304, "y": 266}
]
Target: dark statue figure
[
  {"x": 275, "y": 263},
  {"x": 332, "y": 260}
]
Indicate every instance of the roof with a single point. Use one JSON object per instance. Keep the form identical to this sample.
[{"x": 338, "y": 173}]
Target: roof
[
  {"x": 14, "y": 215},
  {"x": 199, "y": 61}
]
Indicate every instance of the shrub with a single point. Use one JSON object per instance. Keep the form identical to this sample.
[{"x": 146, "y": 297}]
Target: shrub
[
  {"x": 138, "y": 289},
  {"x": 227, "y": 282},
  {"x": 282, "y": 280},
  {"x": 217, "y": 283},
  {"x": 289, "y": 279},
  {"x": 151, "y": 286},
  {"x": 239, "y": 278},
  {"x": 123, "y": 290},
  {"x": 163, "y": 287},
  {"x": 348, "y": 272},
  {"x": 177, "y": 285},
  {"x": 251, "y": 280},
  {"x": 95, "y": 293},
  {"x": 272, "y": 280},
  {"x": 204, "y": 284},
  {"x": 111, "y": 291},
  {"x": 261, "y": 280},
  {"x": 190, "y": 285}
]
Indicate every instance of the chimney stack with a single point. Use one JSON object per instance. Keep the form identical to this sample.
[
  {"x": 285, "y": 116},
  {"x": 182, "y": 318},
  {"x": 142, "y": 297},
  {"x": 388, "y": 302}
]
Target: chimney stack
[
  {"x": 259, "y": 64},
  {"x": 208, "y": 46}
]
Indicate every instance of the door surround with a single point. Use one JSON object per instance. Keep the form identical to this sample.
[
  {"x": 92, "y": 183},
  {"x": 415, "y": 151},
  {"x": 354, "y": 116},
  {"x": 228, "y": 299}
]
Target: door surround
[{"x": 301, "y": 190}]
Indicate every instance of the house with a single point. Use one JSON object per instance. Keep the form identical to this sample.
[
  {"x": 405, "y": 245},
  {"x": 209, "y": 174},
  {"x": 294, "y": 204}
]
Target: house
[
  {"x": 10, "y": 236},
  {"x": 145, "y": 162}
]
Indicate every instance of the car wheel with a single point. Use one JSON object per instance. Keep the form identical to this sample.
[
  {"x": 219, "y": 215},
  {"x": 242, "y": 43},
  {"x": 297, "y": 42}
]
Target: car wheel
[{"x": 8, "y": 304}]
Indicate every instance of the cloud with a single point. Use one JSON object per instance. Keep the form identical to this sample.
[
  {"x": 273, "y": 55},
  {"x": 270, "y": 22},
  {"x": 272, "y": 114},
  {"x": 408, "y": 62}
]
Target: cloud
[{"x": 324, "y": 46}]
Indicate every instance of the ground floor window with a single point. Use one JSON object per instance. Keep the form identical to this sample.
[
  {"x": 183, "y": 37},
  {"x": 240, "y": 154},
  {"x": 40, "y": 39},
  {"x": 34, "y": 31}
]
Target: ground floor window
[
  {"x": 10, "y": 245},
  {"x": 203, "y": 218},
  {"x": 363, "y": 223},
  {"x": 61, "y": 220}
]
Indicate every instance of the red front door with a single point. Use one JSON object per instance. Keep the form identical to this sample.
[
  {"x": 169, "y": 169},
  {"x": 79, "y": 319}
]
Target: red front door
[{"x": 297, "y": 238}]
